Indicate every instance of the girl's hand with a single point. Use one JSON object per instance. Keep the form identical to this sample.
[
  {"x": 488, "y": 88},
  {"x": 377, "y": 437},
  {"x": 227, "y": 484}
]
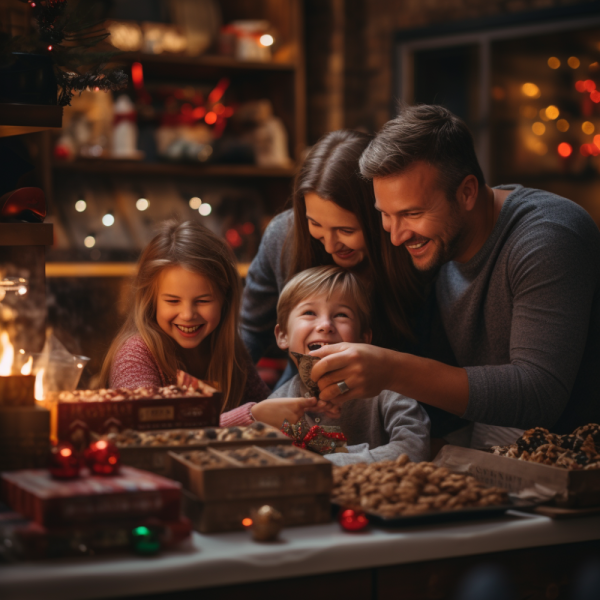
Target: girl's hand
[{"x": 275, "y": 411}]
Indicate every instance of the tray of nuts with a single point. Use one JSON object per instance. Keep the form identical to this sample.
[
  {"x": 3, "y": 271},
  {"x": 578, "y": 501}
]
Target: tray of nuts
[
  {"x": 398, "y": 493},
  {"x": 540, "y": 466},
  {"x": 252, "y": 472},
  {"x": 148, "y": 449}
]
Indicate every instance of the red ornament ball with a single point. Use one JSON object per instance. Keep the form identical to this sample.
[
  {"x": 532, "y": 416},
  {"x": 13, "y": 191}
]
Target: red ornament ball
[
  {"x": 64, "y": 462},
  {"x": 353, "y": 520},
  {"x": 103, "y": 458}
]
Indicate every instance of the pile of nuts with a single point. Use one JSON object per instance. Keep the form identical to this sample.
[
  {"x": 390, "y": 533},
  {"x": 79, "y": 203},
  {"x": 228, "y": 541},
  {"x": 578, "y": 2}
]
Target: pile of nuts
[
  {"x": 292, "y": 454},
  {"x": 576, "y": 451},
  {"x": 141, "y": 393},
  {"x": 400, "y": 488},
  {"x": 207, "y": 460},
  {"x": 192, "y": 437},
  {"x": 251, "y": 457}
]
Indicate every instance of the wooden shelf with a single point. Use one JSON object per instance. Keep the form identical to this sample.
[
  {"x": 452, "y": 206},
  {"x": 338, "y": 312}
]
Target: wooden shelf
[
  {"x": 26, "y": 234},
  {"x": 104, "y": 269},
  {"x": 130, "y": 167},
  {"x": 17, "y": 119},
  {"x": 207, "y": 63}
]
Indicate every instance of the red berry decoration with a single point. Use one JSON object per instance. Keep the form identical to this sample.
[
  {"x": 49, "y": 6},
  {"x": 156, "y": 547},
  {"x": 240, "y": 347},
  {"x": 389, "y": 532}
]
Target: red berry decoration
[
  {"x": 103, "y": 458},
  {"x": 64, "y": 462},
  {"x": 353, "y": 520}
]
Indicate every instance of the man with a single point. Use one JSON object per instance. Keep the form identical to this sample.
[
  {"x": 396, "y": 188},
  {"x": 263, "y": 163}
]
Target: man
[{"x": 518, "y": 286}]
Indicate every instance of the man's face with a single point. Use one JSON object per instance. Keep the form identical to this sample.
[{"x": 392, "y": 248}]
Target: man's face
[
  {"x": 319, "y": 321},
  {"x": 417, "y": 214}
]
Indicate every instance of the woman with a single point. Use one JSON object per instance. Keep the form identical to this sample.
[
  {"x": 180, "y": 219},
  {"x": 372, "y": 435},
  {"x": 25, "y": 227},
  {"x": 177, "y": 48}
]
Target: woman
[{"x": 332, "y": 220}]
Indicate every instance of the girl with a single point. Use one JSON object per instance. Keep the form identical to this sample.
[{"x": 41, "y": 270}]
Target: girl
[
  {"x": 333, "y": 220},
  {"x": 185, "y": 316}
]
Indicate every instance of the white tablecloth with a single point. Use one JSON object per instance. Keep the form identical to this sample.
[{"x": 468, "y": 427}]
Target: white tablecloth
[{"x": 230, "y": 558}]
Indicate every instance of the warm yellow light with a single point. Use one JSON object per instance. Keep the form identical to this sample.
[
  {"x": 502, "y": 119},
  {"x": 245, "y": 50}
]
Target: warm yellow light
[
  {"x": 247, "y": 522},
  {"x": 7, "y": 356},
  {"x": 266, "y": 40},
  {"x": 142, "y": 204},
  {"x": 587, "y": 127},
  {"x": 552, "y": 112},
  {"x": 26, "y": 368},
  {"x": 38, "y": 390},
  {"x": 562, "y": 125},
  {"x": 80, "y": 205},
  {"x": 538, "y": 128},
  {"x": 574, "y": 62},
  {"x": 553, "y": 62},
  {"x": 531, "y": 90},
  {"x": 90, "y": 241},
  {"x": 195, "y": 202}
]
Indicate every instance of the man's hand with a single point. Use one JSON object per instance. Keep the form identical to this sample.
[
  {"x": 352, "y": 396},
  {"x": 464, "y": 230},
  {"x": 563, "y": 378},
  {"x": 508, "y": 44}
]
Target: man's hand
[
  {"x": 275, "y": 411},
  {"x": 366, "y": 370}
]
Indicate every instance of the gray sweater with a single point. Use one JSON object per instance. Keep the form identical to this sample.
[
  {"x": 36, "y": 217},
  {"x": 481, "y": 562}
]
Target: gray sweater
[
  {"x": 523, "y": 316},
  {"x": 265, "y": 280},
  {"x": 380, "y": 428}
]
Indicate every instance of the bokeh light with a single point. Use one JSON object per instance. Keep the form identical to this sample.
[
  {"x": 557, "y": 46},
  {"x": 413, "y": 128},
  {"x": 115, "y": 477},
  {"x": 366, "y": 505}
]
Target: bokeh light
[
  {"x": 142, "y": 204},
  {"x": 210, "y": 118},
  {"x": 538, "y": 128},
  {"x": 531, "y": 90},
  {"x": 195, "y": 202},
  {"x": 587, "y": 127},
  {"x": 108, "y": 220},
  {"x": 562, "y": 125},
  {"x": 90, "y": 241},
  {"x": 580, "y": 86},
  {"x": 266, "y": 40},
  {"x": 595, "y": 96},
  {"x": 574, "y": 62},
  {"x": 80, "y": 205},
  {"x": 552, "y": 112},
  {"x": 553, "y": 62},
  {"x": 205, "y": 209},
  {"x": 589, "y": 85},
  {"x": 565, "y": 149}
]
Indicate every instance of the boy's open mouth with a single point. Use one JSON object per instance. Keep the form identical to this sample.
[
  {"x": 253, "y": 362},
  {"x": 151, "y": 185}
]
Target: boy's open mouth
[
  {"x": 187, "y": 329},
  {"x": 316, "y": 345}
]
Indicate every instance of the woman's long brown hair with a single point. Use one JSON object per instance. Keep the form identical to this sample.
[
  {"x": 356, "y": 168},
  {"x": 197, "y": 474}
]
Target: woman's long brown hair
[
  {"x": 331, "y": 171},
  {"x": 197, "y": 249}
]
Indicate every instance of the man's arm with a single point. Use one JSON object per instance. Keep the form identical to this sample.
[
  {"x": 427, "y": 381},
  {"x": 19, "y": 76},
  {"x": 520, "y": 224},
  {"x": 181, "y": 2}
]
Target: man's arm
[{"x": 553, "y": 287}]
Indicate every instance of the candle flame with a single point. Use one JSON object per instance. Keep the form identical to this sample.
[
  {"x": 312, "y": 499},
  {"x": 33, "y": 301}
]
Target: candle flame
[
  {"x": 26, "y": 368},
  {"x": 38, "y": 390},
  {"x": 7, "y": 354}
]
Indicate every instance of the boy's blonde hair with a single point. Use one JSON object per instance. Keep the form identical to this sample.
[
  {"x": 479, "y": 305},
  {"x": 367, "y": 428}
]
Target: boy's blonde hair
[
  {"x": 192, "y": 246},
  {"x": 324, "y": 280}
]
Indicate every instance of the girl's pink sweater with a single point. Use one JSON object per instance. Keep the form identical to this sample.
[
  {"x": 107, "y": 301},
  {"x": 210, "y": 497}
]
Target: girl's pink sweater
[{"x": 134, "y": 366}]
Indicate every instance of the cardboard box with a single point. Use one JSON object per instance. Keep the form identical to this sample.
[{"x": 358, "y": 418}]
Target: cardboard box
[
  {"x": 76, "y": 420},
  {"x": 281, "y": 478},
  {"x": 525, "y": 480},
  {"x": 55, "y": 503},
  {"x": 216, "y": 517}
]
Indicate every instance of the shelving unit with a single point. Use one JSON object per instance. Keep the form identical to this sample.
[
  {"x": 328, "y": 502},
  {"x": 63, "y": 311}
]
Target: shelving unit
[{"x": 19, "y": 119}]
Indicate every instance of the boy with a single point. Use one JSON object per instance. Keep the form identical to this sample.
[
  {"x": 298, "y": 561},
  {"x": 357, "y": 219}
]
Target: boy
[{"x": 328, "y": 305}]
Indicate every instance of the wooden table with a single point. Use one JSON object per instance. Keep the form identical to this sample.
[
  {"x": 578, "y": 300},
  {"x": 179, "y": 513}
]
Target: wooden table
[{"x": 323, "y": 561}]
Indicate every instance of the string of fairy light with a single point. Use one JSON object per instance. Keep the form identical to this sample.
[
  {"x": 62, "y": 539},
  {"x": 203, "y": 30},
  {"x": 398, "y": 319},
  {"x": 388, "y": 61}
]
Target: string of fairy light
[{"x": 552, "y": 114}]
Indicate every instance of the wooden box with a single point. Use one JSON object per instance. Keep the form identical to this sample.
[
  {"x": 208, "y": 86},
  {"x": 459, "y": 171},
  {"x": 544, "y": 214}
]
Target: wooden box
[
  {"x": 155, "y": 457},
  {"x": 235, "y": 481},
  {"x": 24, "y": 437},
  {"x": 217, "y": 517}
]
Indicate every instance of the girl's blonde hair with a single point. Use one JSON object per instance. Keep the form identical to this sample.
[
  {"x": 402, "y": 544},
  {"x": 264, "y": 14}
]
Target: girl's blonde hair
[
  {"x": 194, "y": 247},
  {"x": 324, "y": 280}
]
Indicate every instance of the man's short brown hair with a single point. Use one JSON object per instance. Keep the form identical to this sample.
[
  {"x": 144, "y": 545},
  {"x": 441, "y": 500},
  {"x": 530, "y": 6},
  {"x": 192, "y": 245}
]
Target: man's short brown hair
[
  {"x": 424, "y": 133},
  {"x": 324, "y": 280}
]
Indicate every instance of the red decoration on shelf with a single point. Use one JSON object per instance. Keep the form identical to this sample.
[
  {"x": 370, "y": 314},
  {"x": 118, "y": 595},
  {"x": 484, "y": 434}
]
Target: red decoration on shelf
[
  {"x": 352, "y": 520},
  {"x": 64, "y": 462},
  {"x": 103, "y": 458}
]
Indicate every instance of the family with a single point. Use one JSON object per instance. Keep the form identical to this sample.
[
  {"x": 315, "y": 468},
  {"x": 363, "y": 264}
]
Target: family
[{"x": 438, "y": 306}]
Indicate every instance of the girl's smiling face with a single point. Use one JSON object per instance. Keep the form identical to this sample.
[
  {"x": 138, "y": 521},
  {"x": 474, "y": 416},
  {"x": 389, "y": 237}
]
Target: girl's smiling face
[
  {"x": 188, "y": 309},
  {"x": 337, "y": 229}
]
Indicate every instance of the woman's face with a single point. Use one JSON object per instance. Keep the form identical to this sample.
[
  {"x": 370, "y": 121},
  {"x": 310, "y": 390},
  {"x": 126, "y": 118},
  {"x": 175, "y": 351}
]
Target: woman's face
[{"x": 337, "y": 229}]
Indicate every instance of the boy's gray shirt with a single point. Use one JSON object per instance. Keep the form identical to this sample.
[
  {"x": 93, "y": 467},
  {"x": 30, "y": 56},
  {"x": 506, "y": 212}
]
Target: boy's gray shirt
[
  {"x": 377, "y": 429},
  {"x": 523, "y": 316}
]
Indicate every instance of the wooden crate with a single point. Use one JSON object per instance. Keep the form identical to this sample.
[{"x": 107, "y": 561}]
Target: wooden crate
[
  {"x": 280, "y": 478},
  {"x": 155, "y": 458},
  {"x": 216, "y": 517}
]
